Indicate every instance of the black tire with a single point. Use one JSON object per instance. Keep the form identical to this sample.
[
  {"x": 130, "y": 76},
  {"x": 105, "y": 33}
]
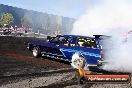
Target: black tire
[{"x": 36, "y": 52}]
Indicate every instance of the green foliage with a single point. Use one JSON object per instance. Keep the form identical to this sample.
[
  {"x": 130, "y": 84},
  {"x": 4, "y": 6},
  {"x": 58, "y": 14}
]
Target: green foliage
[{"x": 6, "y": 18}]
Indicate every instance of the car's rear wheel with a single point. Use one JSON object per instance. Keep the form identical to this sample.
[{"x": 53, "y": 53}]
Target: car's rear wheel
[{"x": 36, "y": 52}]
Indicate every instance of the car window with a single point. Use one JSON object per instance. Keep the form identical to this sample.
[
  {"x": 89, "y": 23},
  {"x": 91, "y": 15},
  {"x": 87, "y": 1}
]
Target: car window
[
  {"x": 59, "y": 39},
  {"x": 54, "y": 40},
  {"x": 86, "y": 42},
  {"x": 62, "y": 39},
  {"x": 72, "y": 41}
]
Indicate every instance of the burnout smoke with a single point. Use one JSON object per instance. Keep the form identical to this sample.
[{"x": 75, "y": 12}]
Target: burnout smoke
[
  {"x": 114, "y": 18},
  {"x": 118, "y": 53},
  {"x": 106, "y": 16}
]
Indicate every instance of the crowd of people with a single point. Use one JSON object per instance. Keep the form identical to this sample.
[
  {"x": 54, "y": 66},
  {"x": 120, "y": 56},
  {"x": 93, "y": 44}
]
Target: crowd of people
[{"x": 7, "y": 30}]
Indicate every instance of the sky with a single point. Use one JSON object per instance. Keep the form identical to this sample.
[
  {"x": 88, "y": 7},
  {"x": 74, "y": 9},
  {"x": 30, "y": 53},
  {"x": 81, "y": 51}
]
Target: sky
[{"x": 66, "y": 8}]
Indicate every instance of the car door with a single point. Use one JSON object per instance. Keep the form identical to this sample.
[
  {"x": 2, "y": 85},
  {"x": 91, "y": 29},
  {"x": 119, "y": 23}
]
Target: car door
[
  {"x": 54, "y": 46},
  {"x": 61, "y": 41},
  {"x": 88, "y": 48},
  {"x": 67, "y": 48}
]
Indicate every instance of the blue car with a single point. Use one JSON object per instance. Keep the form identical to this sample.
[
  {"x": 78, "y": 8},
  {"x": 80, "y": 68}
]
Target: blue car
[{"x": 65, "y": 46}]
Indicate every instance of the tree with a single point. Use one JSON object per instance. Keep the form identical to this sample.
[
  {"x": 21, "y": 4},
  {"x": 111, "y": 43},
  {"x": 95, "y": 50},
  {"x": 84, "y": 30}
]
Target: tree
[{"x": 6, "y": 18}]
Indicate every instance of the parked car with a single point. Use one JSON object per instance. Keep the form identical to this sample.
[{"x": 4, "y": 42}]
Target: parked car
[{"x": 65, "y": 46}]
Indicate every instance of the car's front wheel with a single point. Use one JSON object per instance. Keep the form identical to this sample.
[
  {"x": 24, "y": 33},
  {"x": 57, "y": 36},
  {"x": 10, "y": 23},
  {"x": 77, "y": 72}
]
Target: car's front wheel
[{"x": 36, "y": 52}]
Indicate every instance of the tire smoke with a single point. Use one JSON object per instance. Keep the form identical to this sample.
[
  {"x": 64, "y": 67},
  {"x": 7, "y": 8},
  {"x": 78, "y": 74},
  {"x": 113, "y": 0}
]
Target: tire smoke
[
  {"x": 113, "y": 18},
  {"x": 118, "y": 53}
]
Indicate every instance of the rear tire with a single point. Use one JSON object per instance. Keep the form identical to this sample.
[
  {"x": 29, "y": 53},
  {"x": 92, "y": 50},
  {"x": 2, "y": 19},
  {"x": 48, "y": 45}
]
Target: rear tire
[{"x": 36, "y": 52}]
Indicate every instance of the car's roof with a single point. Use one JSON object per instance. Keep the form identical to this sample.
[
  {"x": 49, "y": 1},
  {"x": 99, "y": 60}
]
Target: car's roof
[
  {"x": 94, "y": 36},
  {"x": 78, "y": 36}
]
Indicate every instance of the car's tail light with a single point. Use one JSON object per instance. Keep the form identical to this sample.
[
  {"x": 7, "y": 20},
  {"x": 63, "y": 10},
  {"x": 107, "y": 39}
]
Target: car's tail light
[{"x": 102, "y": 55}]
